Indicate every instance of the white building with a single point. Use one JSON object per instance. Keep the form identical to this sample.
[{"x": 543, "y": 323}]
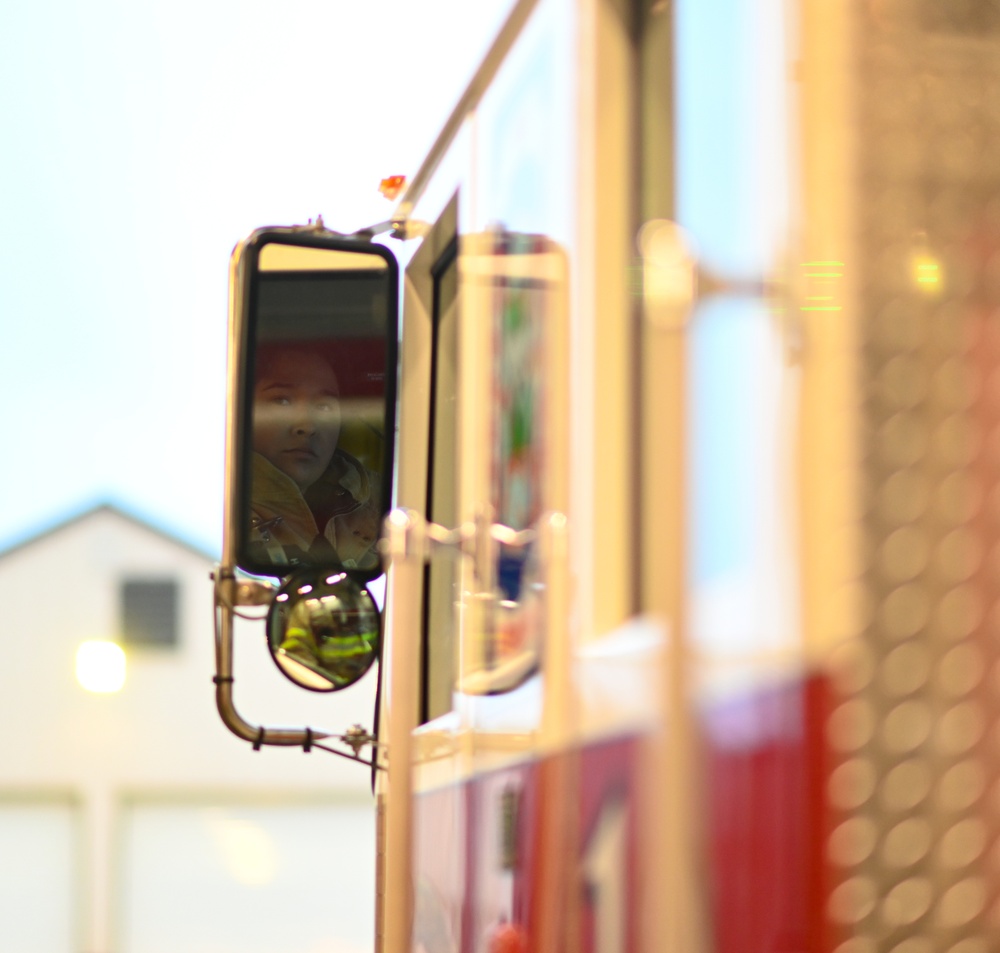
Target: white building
[{"x": 132, "y": 821}]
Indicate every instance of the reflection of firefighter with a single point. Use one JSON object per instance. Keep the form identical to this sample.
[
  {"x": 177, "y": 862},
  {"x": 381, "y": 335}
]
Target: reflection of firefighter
[
  {"x": 289, "y": 526},
  {"x": 324, "y": 634},
  {"x": 357, "y": 531}
]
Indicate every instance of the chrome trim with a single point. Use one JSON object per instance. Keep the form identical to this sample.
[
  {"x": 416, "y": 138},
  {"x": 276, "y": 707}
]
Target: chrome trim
[{"x": 478, "y": 85}]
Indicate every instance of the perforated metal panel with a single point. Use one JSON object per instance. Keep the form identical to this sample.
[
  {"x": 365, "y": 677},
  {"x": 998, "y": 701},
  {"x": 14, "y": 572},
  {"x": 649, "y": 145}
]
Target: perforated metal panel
[{"x": 915, "y": 790}]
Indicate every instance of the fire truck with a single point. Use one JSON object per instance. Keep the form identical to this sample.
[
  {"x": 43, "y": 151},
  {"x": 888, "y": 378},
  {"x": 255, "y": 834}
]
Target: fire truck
[{"x": 679, "y": 437}]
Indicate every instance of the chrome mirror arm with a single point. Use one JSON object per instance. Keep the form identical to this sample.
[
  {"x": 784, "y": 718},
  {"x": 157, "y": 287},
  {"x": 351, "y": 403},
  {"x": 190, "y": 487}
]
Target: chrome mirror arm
[{"x": 231, "y": 592}]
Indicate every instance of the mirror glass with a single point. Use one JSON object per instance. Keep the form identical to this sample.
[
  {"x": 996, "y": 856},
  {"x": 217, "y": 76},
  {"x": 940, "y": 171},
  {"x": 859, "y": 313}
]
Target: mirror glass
[
  {"x": 318, "y": 397},
  {"x": 323, "y": 630}
]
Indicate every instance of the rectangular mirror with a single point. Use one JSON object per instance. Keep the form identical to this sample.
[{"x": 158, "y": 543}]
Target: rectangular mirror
[{"x": 315, "y": 327}]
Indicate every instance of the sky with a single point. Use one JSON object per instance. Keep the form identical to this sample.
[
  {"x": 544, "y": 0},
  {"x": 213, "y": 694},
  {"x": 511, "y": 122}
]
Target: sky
[{"x": 141, "y": 141}]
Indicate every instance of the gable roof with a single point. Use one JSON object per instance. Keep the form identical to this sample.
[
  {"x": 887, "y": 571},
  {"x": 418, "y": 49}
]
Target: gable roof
[{"x": 115, "y": 510}]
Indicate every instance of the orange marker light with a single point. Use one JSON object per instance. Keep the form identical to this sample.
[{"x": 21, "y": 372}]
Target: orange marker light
[{"x": 392, "y": 186}]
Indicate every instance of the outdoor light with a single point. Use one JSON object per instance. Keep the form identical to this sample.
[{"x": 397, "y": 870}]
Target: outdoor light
[{"x": 100, "y": 666}]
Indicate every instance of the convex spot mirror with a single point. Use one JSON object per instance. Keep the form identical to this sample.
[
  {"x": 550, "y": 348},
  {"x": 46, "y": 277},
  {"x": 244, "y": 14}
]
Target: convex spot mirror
[
  {"x": 323, "y": 630},
  {"x": 314, "y": 390}
]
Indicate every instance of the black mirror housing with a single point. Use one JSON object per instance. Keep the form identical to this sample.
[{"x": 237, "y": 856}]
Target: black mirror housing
[{"x": 313, "y": 339}]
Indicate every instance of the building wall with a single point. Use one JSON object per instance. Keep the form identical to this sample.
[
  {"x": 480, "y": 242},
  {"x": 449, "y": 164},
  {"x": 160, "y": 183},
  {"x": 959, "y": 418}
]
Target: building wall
[{"x": 106, "y": 766}]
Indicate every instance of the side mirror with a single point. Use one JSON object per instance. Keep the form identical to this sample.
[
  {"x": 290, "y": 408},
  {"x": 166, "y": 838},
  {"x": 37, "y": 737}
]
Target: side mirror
[
  {"x": 323, "y": 630},
  {"x": 312, "y": 396}
]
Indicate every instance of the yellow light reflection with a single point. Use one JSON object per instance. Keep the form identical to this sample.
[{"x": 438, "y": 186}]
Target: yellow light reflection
[
  {"x": 100, "y": 666},
  {"x": 926, "y": 273}
]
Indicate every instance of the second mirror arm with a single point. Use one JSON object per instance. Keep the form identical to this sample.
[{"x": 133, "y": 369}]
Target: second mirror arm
[{"x": 231, "y": 592}]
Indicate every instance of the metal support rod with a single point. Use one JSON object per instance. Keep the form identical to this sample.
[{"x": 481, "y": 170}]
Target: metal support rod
[
  {"x": 559, "y": 709},
  {"x": 225, "y": 582},
  {"x": 405, "y": 547}
]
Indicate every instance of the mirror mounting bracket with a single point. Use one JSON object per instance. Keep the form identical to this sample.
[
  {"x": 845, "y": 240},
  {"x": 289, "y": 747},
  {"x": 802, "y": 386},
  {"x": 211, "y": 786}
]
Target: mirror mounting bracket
[
  {"x": 362, "y": 234},
  {"x": 379, "y": 228},
  {"x": 234, "y": 591},
  {"x": 366, "y": 234},
  {"x": 399, "y": 227},
  {"x": 405, "y": 228},
  {"x": 229, "y": 593}
]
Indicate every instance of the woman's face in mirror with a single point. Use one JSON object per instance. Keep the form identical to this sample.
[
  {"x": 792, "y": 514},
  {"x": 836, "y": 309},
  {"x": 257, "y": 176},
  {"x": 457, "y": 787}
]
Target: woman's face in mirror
[{"x": 296, "y": 415}]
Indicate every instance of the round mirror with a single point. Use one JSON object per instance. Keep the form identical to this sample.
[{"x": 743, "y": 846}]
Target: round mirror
[{"x": 323, "y": 630}]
